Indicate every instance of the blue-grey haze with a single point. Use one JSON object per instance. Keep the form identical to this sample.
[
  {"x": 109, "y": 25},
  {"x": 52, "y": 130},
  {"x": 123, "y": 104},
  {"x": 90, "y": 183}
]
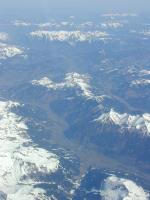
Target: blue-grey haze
[{"x": 72, "y": 6}]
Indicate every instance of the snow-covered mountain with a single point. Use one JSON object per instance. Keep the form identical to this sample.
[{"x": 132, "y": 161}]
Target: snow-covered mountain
[
  {"x": 20, "y": 159},
  {"x": 141, "y": 82},
  {"x": 9, "y": 51},
  {"x": 20, "y": 23},
  {"x": 127, "y": 121},
  {"x": 70, "y": 36},
  {"x": 114, "y": 188},
  {"x": 72, "y": 80},
  {"x": 96, "y": 184},
  {"x": 112, "y": 24},
  {"x": 124, "y": 121},
  {"x": 83, "y": 103}
]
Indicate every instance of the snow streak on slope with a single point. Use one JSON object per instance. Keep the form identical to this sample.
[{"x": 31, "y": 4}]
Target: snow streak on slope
[
  {"x": 20, "y": 159},
  {"x": 138, "y": 122},
  {"x": 115, "y": 188},
  {"x": 70, "y": 35},
  {"x": 71, "y": 80}
]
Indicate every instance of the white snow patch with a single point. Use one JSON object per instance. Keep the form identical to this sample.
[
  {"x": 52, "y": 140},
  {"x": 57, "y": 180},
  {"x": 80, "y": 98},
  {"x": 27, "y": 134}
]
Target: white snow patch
[
  {"x": 21, "y": 23},
  {"x": 70, "y": 35},
  {"x": 146, "y": 33},
  {"x": 53, "y": 25},
  {"x": 71, "y": 80},
  {"x": 20, "y": 157},
  {"x": 112, "y": 24},
  {"x": 46, "y": 82},
  {"x": 144, "y": 72},
  {"x": 115, "y": 188},
  {"x": 139, "y": 122},
  {"x": 9, "y": 51},
  {"x": 141, "y": 82},
  {"x": 81, "y": 81}
]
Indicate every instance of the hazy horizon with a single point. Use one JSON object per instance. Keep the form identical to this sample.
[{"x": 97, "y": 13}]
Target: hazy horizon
[{"x": 42, "y": 7}]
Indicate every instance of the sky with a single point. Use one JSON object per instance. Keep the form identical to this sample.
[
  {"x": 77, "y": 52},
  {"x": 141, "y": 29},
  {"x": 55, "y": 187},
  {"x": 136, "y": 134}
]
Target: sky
[{"x": 73, "y": 6}]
